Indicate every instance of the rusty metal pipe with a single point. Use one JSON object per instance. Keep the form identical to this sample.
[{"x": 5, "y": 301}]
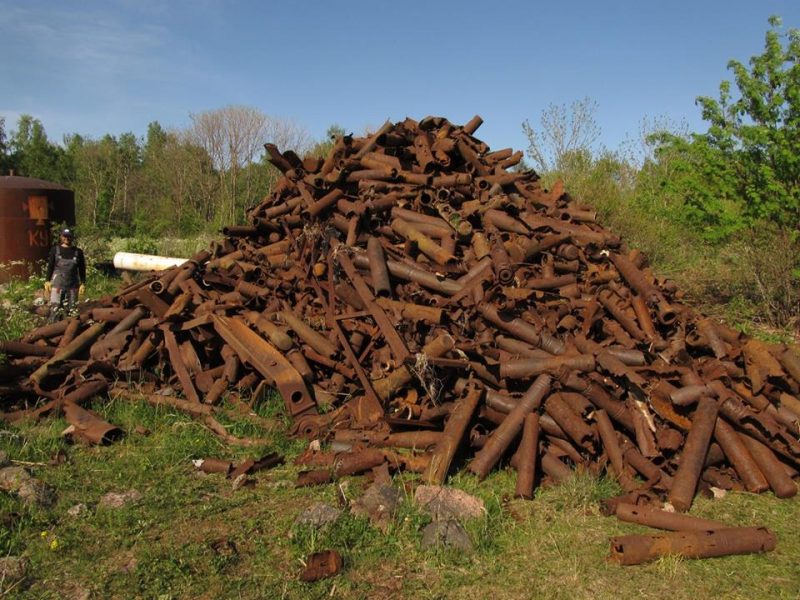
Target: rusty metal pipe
[
  {"x": 638, "y": 549},
  {"x": 381, "y": 282},
  {"x": 527, "y": 454},
  {"x": 498, "y": 442},
  {"x": 693, "y": 455},
  {"x": 453, "y": 435}
]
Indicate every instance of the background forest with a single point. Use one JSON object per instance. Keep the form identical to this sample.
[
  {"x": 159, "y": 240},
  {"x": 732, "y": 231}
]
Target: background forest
[{"x": 718, "y": 211}]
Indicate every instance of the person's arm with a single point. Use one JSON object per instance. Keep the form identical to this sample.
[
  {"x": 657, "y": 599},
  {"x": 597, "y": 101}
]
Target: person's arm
[
  {"x": 51, "y": 264},
  {"x": 81, "y": 265}
]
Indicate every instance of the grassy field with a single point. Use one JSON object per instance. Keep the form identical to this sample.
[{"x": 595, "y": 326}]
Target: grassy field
[{"x": 192, "y": 536}]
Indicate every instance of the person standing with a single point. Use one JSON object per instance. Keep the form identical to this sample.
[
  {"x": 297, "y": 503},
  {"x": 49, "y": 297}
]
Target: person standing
[{"x": 66, "y": 275}]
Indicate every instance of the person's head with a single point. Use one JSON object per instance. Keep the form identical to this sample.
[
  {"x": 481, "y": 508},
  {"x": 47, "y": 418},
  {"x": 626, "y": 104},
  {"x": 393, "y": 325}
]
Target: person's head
[{"x": 67, "y": 237}]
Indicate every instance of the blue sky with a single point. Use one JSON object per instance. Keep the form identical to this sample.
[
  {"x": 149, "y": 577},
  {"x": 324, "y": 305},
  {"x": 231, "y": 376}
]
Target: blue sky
[{"x": 113, "y": 66}]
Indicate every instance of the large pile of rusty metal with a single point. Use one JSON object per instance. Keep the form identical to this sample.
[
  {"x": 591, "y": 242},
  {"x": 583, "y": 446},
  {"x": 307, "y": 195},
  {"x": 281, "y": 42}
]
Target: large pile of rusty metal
[{"x": 416, "y": 300}]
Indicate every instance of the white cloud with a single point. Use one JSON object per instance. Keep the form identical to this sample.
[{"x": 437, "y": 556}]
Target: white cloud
[{"x": 84, "y": 44}]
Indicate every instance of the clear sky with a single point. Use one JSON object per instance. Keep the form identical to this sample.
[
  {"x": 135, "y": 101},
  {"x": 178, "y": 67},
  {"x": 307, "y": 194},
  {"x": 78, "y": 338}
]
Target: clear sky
[{"x": 108, "y": 66}]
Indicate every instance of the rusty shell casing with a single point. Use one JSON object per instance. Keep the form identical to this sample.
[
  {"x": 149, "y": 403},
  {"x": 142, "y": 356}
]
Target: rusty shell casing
[
  {"x": 635, "y": 278},
  {"x": 662, "y": 519},
  {"x": 268, "y": 361},
  {"x": 570, "y": 422},
  {"x": 24, "y": 349},
  {"x": 488, "y": 456},
  {"x": 739, "y": 456},
  {"x": 688, "y": 394},
  {"x": 70, "y": 332},
  {"x": 791, "y": 363},
  {"x": 401, "y": 376},
  {"x": 554, "y": 468},
  {"x": 782, "y": 485},
  {"x": 325, "y": 202},
  {"x": 550, "y": 283},
  {"x": 527, "y": 455},
  {"x": 113, "y": 314},
  {"x": 693, "y": 456},
  {"x": 415, "y": 440},
  {"x": 707, "y": 328},
  {"x": 453, "y": 435},
  {"x": 638, "y": 549},
  {"x": 598, "y": 395},
  {"x": 472, "y": 125},
  {"x": 141, "y": 354},
  {"x": 642, "y": 465},
  {"x": 627, "y": 322},
  {"x": 480, "y": 245},
  {"x": 408, "y": 273},
  {"x": 503, "y": 221},
  {"x": 89, "y": 428},
  {"x": 501, "y": 262},
  {"x": 279, "y": 338},
  {"x": 126, "y": 324},
  {"x": 215, "y": 465},
  {"x": 519, "y": 328},
  {"x": 643, "y": 316},
  {"x": 74, "y": 348},
  {"x": 413, "y": 312},
  {"x": 381, "y": 283},
  {"x": 317, "y": 341},
  {"x": 352, "y": 463},
  {"x": 528, "y": 367},
  {"x": 608, "y": 436},
  {"x": 425, "y": 244},
  {"x": 47, "y": 331}
]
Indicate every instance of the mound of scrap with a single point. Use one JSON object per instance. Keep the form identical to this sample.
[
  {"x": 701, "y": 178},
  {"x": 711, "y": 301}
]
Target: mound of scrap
[{"x": 419, "y": 302}]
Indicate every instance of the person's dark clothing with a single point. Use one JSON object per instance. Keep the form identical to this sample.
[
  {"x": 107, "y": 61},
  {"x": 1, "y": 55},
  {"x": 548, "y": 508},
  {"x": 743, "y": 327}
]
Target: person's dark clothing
[{"x": 68, "y": 265}]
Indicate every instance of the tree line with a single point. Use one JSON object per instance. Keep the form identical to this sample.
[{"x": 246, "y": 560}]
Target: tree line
[{"x": 168, "y": 182}]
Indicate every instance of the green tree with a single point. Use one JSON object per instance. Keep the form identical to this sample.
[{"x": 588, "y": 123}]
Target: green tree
[
  {"x": 745, "y": 168},
  {"x": 33, "y": 154},
  {"x": 5, "y": 159}
]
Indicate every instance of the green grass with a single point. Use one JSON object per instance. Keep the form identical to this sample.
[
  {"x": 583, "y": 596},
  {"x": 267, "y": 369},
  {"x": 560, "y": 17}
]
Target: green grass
[{"x": 191, "y": 536}]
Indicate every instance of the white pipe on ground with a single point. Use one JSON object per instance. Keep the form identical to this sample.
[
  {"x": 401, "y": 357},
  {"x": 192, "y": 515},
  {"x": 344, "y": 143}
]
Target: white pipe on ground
[{"x": 129, "y": 261}]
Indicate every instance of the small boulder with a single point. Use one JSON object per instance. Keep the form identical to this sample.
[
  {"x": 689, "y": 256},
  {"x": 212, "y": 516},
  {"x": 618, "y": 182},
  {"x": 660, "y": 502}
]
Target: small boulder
[
  {"x": 34, "y": 491},
  {"x": 444, "y": 503},
  {"x": 78, "y": 510},
  {"x": 379, "y": 503},
  {"x": 17, "y": 480},
  {"x": 12, "y": 568},
  {"x": 448, "y": 533},
  {"x": 318, "y": 515},
  {"x": 12, "y": 477},
  {"x": 118, "y": 500}
]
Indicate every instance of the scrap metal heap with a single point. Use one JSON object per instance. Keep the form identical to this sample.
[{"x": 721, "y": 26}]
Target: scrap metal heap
[{"x": 412, "y": 297}]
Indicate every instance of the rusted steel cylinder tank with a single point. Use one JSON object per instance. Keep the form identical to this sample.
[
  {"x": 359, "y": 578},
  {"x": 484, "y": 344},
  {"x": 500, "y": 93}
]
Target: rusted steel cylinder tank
[{"x": 28, "y": 207}]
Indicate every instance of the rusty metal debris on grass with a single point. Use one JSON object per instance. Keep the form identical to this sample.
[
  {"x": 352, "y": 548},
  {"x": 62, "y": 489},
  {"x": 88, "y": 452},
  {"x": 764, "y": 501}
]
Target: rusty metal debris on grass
[{"x": 417, "y": 301}]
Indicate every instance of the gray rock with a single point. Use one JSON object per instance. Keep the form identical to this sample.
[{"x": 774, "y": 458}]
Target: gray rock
[
  {"x": 78, "y": 510},
  {"x": 115, "y": 500},
  {"x": 12, "y": 477},
  {"x": 12, "y": 568},
  {"x": 379, "y": 503},
  {"x": 17, "y": 480},
  {"x": 34, "y": 491},
  {"x": 446, "y": 533},
  {"x": 444, "y": 503},
  {"x": 318, "y": 515}
]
